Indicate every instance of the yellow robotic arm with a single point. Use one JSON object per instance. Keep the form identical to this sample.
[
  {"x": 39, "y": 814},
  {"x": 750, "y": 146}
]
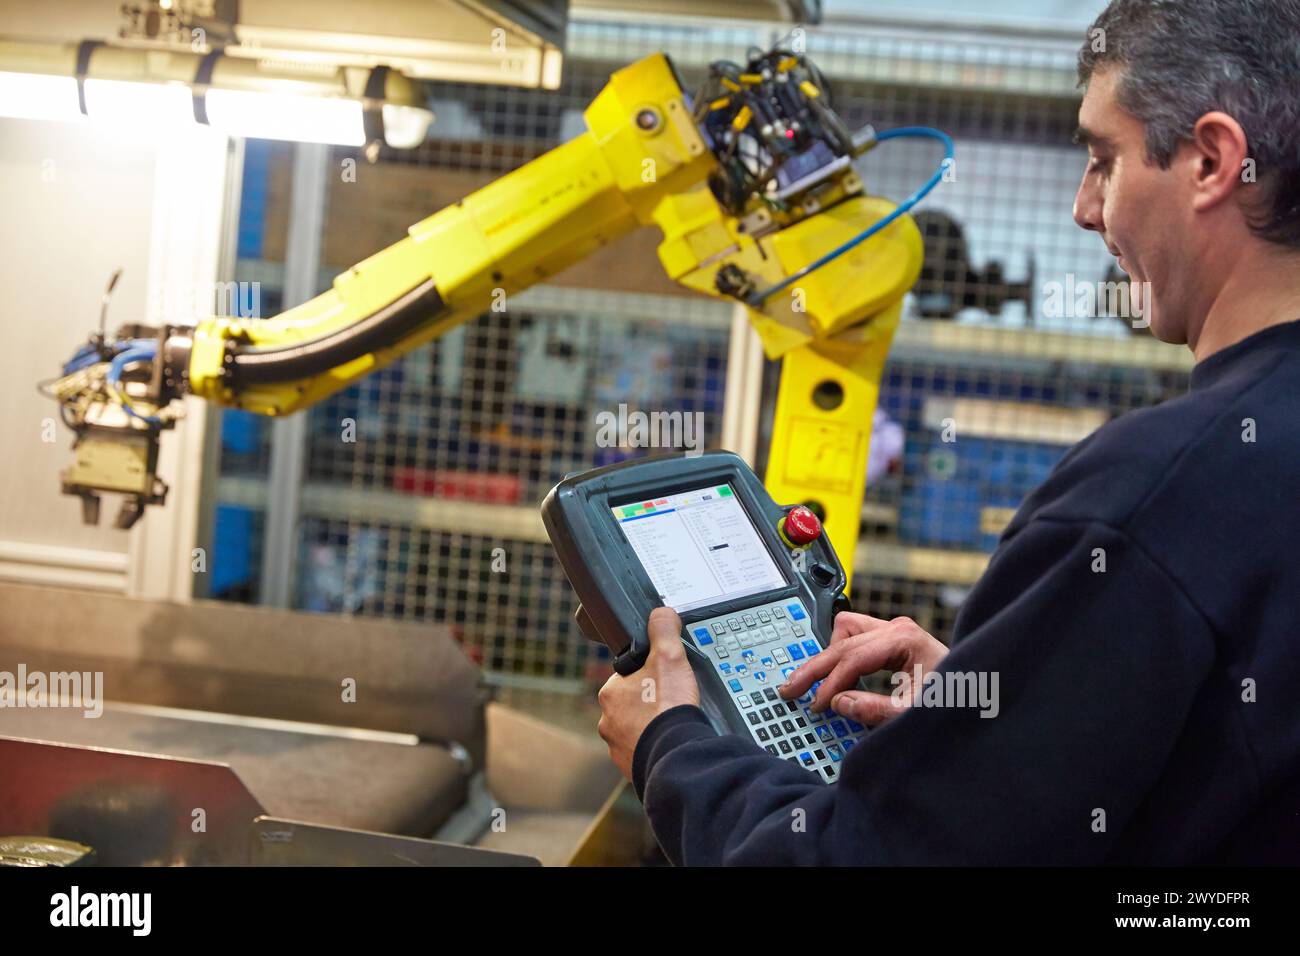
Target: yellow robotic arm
[
  {"x": 519, "y": 230},
  {"x": 751, "y": 183}
]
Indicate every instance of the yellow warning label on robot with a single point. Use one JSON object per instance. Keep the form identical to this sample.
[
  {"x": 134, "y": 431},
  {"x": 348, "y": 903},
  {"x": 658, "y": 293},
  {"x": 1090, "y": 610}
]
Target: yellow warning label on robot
[{"x": 823, "y": 455}]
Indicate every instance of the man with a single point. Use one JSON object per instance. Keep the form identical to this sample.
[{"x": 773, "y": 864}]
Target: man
[{"x": 1142, "y": 610}]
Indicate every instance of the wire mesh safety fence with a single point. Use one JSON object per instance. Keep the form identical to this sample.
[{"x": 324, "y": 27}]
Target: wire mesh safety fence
[{"x": 421, "y": 483}]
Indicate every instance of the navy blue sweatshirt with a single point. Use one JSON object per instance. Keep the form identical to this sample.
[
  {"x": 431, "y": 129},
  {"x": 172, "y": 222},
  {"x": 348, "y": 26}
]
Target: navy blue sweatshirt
[{"x": 1149, "y": 712}]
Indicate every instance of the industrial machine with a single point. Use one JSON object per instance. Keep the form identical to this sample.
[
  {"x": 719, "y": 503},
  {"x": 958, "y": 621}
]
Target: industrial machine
[
  {"x": 949, "y": 283},
  {"x": 751, "y": 181},
  {"x": 757, "y": 586}
]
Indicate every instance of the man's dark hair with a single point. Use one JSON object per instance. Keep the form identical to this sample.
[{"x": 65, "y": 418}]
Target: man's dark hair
[{"x": 1181, "y": 59}]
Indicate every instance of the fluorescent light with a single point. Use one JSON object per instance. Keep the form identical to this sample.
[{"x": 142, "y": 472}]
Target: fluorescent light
[
  {"x": 116, "y": 103},
  {"x": 164, "y": 103},
  {"x": 308, "y": 119},
  {"x": 125, "y": 105},
  {"x": 37, "y": 96}
]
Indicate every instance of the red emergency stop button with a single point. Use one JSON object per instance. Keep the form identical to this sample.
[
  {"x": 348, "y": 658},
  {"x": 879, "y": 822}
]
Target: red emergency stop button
[{"x": 800, "y": 527}]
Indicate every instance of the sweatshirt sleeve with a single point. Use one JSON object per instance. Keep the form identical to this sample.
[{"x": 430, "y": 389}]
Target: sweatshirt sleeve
[{"x": 1075, "y": 647}]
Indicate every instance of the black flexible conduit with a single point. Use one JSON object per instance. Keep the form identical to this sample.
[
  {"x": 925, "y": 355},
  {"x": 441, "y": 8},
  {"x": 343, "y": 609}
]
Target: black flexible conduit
[{"x": 382, "y": 329}]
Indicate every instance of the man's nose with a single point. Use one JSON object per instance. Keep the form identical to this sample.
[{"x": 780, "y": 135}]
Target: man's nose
[{"x": 1087, "y": 207}]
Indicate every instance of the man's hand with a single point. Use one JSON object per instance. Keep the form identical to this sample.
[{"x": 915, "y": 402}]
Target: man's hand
[
  {"x": 628, "y": 704},
  {"x": 861, "y": 645}
]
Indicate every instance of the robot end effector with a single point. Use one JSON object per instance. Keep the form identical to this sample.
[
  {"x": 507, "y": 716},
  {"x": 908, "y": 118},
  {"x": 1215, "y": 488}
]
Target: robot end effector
[{"x": 117, "y": 396}]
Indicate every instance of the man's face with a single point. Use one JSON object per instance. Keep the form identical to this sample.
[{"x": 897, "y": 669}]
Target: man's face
[{"x": 1139, "y": 209}]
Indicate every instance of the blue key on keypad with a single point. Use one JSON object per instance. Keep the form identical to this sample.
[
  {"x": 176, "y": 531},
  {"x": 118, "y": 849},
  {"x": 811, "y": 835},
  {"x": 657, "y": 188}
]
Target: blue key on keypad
[
  {"x": 848, "y": 745},
  {"x": 854, "y": 725},
  {"x": 796, "y": 612},
  {"x": 806, "y": 758},
  {"x": 839, "y": 728},
  {"x": 735, "y": 685},
  {"x": 702, "y": 636},
  {"x": 725, "y": 668},
  {"x": 824, "y": 734},
  {"x": 811, "y": 648},
  {"x": 834, "y": 751},
  {"x": 796, "y": 652}
]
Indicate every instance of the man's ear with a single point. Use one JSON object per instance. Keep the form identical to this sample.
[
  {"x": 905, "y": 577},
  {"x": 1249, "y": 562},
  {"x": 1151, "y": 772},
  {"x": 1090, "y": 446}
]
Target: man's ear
[{"x": 1220, "y": 153}]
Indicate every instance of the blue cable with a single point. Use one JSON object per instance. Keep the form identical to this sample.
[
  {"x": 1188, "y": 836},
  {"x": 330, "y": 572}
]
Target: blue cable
[
  {"x": 87, "y": 355},
  {"x": 136, "y": 350},
  {"x": 756, "y": 299}
]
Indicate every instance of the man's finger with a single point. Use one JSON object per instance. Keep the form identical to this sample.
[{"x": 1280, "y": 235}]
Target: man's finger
[
  {"x": 810, "y": 672},
  {"x": 664, "y": 628},
  {"x": 850, "y": 624},
  {"x": 860, "y": 658},
  {"x": 866, "y": 708}
]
